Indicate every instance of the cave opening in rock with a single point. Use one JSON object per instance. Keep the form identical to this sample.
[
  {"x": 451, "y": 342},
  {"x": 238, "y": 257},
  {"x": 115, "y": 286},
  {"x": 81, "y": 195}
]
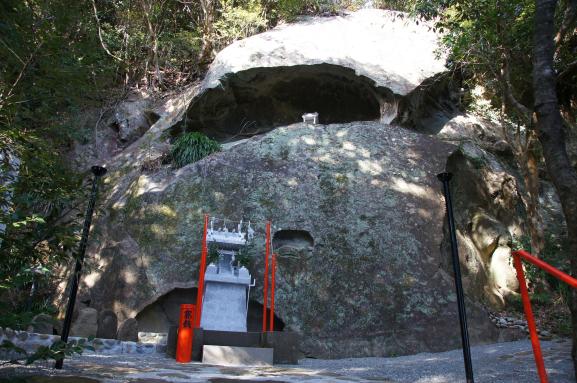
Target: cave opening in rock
[
  {"x": 165, "y": 312},
  {"x": 254, "y": 318},
  {"x": 292, "y": 239},
  {"x": 258, "y": 100}
]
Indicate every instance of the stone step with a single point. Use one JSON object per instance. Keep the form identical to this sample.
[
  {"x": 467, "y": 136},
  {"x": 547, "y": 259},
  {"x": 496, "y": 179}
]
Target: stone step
[{"x": 237, "y": 356}]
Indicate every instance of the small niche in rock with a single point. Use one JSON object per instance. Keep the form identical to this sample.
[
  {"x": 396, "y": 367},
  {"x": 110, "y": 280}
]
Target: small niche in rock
[
  {"x": 151, "y": 116},
  {"x": 258, "y": 100},
  {"x": 295, "y": 240},
  {"x": 254, "y": 318},
  {"x": 165, "y": 311}
]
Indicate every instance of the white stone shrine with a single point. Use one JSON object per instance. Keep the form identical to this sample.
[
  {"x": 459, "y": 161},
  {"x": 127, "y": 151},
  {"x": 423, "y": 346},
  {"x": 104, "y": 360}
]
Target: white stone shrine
[{"x": 226, "y": 286}]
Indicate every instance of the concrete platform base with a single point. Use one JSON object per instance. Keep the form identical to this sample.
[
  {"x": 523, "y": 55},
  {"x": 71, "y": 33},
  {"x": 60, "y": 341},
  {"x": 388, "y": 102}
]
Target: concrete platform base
[{"x": 237, "y": 356}]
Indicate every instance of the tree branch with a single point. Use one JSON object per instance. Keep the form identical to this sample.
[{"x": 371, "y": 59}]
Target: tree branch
[
  {"x": 100, "y": 34},
  {"x": 567, "y": 71},
  {"x": 11, "y": 51},
  {"x": 3, "y": 98},
  {"x": 569, "y": 18},
  {"x": 505, "y": 78}
]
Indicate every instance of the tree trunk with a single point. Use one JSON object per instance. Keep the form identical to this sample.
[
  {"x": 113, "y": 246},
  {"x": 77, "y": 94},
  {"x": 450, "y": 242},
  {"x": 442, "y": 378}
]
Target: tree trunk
[
  {"x": 205, "y": 57},
  {"x": 531, "y": 178},
  {"x": 552, "y": 137},
  {"x": 147, "y": 8}
]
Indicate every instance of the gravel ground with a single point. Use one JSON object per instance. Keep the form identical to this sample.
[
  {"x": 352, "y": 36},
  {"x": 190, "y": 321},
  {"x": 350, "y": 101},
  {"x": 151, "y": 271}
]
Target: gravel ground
[
  {"x": 503, "y": 362},
  {"x": 495, "y": 363}
]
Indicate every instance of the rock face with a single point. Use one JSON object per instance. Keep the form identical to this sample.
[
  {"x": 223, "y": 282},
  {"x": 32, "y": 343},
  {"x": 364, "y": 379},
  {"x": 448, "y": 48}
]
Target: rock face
[
  {"x": 86, "y": 324},
  {"x": 128, "y": 330},
  {"x": 363, "y": 264},
  {"x": 41, "y": 324},
  {"x": 112, "y": 129},
  {"x": 363, "y": 66},
  {"x": 488, "y": 210},
  {"x": 107, "y": 325},
  {"x": 132, "y": 118},
  {"x": 394, "y": 52},
  {"x": 365, "y": 279}
]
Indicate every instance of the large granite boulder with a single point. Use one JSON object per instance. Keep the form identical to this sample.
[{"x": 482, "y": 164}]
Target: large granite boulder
[
  {"x": 368, "y": 65},
  {"x": 107, "y": 325},
  {"x": 128, "y": 330},
  {"x": 363, "y": 266},
  {"x": 384, "y": 46},
  {"x": 363, "y": 203},
  {"x": 41, "y": 324},
  {"x": 86, "y": 324},
  {"x": 488, "y": 212}
]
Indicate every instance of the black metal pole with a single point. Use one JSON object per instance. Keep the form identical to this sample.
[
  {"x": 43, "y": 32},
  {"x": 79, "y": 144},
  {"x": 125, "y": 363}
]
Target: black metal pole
[
  {"x": 98, "y": 172},
  {"x": 445, "y": 178}
]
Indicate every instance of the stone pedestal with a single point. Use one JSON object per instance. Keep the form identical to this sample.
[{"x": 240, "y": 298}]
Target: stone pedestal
[
  {"x": 237, "y": 356},
  {"x": 285, "y": 345},
  {"x": 224, "y": 306}
]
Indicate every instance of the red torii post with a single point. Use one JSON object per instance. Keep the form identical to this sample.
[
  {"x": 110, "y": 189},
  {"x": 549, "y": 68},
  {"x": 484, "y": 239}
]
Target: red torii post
[
  {"x": 266, "y": 257},
  {"x": 273, "y": 274},
  {"x": 200, "y": 289}
]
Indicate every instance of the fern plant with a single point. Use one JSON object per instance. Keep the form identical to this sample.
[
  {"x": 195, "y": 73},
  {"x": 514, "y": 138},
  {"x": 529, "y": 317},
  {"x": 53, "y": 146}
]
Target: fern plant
[{"x": 191, "y": 147}]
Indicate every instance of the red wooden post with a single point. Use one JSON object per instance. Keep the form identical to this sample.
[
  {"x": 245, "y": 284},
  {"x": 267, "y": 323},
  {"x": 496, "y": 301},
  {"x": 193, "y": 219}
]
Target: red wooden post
[
  {"x": 200, "y": 289},
  {"x": 184, "y": 341},
  {"x": 266, "y": 256},
  {"x": 272, "y": 285},
  {"x": 530, "y": 319}
]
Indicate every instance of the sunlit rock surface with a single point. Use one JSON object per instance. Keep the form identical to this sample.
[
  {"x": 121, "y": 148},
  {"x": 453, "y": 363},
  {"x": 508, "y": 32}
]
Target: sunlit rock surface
[
  {"x": 369, "y": 278},
  {"x": 488, "y": 213},
  {"x": 394, "y": 52},
  {"x": 371, "y": 65}
]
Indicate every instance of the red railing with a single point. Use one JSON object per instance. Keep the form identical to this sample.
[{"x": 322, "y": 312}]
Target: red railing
[{"x": 517, "y": 255}]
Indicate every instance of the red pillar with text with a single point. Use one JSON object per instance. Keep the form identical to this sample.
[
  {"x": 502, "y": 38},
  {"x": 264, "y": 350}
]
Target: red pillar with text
[{"x": 185, "y": 334}]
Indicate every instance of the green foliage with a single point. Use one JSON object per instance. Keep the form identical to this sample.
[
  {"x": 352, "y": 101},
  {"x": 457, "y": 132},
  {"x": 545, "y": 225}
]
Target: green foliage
[
  {"x": 491, "y": 43},
  {"x": 52, "y": 70},
  {"x": 238, "y": 21},
  {"x": 552, "y": 253},
  {"x": 246, "y": 254},
  {"x": 396, "y": 5},
  {"x": 58, "y": 350},
  {"x": 179, "y": 49},
  {"x": 243, "y": 257},
  {"x": 481, "y": 36},
  {"x": 212, "y": 256},
  {"x": 191, "y": 147},
  {"x": 289, "y": 9},
  {"x": 38, "y": 237}
]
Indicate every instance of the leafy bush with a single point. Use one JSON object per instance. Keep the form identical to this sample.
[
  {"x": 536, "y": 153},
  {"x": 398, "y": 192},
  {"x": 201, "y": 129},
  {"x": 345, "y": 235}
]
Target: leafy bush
[
  {"x": 180, "y": 49},
  {"x": 553, "y": 253},
  {"x": 58, "y": 350},
  {"x": 212, "y": 256},
  {"x": 246, "y": 254},
  {"x": 238, "y": 22},
  {"x": 191, "y": 147}
]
